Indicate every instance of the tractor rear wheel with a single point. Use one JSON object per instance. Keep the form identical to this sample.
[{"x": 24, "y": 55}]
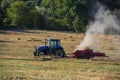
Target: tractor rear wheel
[{"x": 59, "y": 53}]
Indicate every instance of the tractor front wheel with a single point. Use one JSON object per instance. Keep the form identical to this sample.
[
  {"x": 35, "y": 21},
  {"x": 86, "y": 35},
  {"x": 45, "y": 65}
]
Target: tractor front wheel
[
  {"x": 41, "y": 54},
  {"x": 59, "y": 53}
]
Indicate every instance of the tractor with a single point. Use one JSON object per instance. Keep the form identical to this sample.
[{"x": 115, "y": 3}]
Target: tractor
[{"x": 52, "y": 47}]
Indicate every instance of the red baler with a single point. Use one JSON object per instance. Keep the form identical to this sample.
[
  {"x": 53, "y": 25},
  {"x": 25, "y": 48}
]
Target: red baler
[{"x": 87, "y": 54}]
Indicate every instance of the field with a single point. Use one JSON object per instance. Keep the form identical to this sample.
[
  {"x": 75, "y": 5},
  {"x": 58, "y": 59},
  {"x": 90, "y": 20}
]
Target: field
[{"x": 18, "y": 63}]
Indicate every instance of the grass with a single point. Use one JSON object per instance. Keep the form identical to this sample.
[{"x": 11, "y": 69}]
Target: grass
[
  {"x": 17, "y": 61},
  {"x": 62, "y": 69}
]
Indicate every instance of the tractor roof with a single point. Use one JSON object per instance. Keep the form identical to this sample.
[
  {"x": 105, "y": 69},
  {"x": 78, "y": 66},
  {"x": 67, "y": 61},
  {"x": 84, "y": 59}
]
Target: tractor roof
[{"x": 53, "y": 39}]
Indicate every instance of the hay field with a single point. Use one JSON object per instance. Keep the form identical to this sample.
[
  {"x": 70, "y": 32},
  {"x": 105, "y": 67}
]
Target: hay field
[{"x": 17, "y": 61}]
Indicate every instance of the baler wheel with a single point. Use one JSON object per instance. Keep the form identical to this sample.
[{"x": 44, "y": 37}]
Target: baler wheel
[{"x": 87, "y": 57}]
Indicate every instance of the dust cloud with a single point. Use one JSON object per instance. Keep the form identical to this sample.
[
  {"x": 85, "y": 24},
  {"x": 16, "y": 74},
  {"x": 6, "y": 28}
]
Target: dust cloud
[{"x": 105, "y": 23}]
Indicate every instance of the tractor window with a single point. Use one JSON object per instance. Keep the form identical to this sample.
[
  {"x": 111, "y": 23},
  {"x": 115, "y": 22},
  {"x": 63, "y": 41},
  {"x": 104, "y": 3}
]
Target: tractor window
[
  {"x": 54, "y": 43},
  {"x": 57, "y": 43}
]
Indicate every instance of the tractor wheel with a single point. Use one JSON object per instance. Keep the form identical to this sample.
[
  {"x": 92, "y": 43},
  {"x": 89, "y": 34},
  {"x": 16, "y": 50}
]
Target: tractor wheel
[
  {"x": 41, "y": 54},
  {"x": 59, "y": 53}
]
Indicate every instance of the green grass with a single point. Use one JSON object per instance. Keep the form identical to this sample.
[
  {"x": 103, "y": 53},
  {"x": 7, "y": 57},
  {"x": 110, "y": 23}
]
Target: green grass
[
  {"x": 62, "y": 69},
  {"x": 17, "y": 61}
]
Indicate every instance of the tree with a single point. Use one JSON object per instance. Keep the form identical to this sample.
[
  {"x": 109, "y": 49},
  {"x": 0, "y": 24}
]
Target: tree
[
  {"x": 37, "y": 20},
  {"x": 65, "y": 11},
  {"x": 1, "y": 19},
  {"x": 78, "y": 25},
  {"x": 5, "y": 4},
  {"x": 69, "y": 15},
  {"x": 112, "y": 4},
  {"x": 0, "y": 15},
  {"x": 18, "y": 12}
]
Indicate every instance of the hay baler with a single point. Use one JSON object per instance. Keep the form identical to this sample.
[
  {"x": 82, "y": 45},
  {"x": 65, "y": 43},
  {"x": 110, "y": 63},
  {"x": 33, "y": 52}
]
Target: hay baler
[{"x": 87, "y": 54}]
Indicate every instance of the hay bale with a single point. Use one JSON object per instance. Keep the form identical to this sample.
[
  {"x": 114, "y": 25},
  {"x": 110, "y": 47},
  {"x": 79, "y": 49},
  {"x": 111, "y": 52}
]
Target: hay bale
[
  {"x": 29, "y": 40},
  {"x": 72, "y": 39},
  {"x": 19, "y": 38},
  {"x": 37, "y": 40}
]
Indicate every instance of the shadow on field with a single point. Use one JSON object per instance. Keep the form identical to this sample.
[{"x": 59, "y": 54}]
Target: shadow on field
[
  {"x": 4, "y": 41},
  {"x": 29, "y": 31},
  {"x": 4, "y": 32},
  {"x": 19, "y": 31},
  {"x": 16, "y": 59},
  {"x": 35, "y": 59}
]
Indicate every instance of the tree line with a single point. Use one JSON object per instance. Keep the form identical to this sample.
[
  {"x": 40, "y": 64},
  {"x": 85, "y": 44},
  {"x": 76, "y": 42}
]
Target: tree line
[{"x": 63, "y": 15}]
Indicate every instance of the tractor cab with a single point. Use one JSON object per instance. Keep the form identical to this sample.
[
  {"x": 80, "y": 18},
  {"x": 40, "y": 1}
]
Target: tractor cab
[
  {"x": 52, "y": 46},
  {"x": 52, "y": 42}
]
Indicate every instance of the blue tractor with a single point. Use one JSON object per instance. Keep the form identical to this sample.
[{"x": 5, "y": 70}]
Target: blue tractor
[{"x": 52, "y": 47}]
